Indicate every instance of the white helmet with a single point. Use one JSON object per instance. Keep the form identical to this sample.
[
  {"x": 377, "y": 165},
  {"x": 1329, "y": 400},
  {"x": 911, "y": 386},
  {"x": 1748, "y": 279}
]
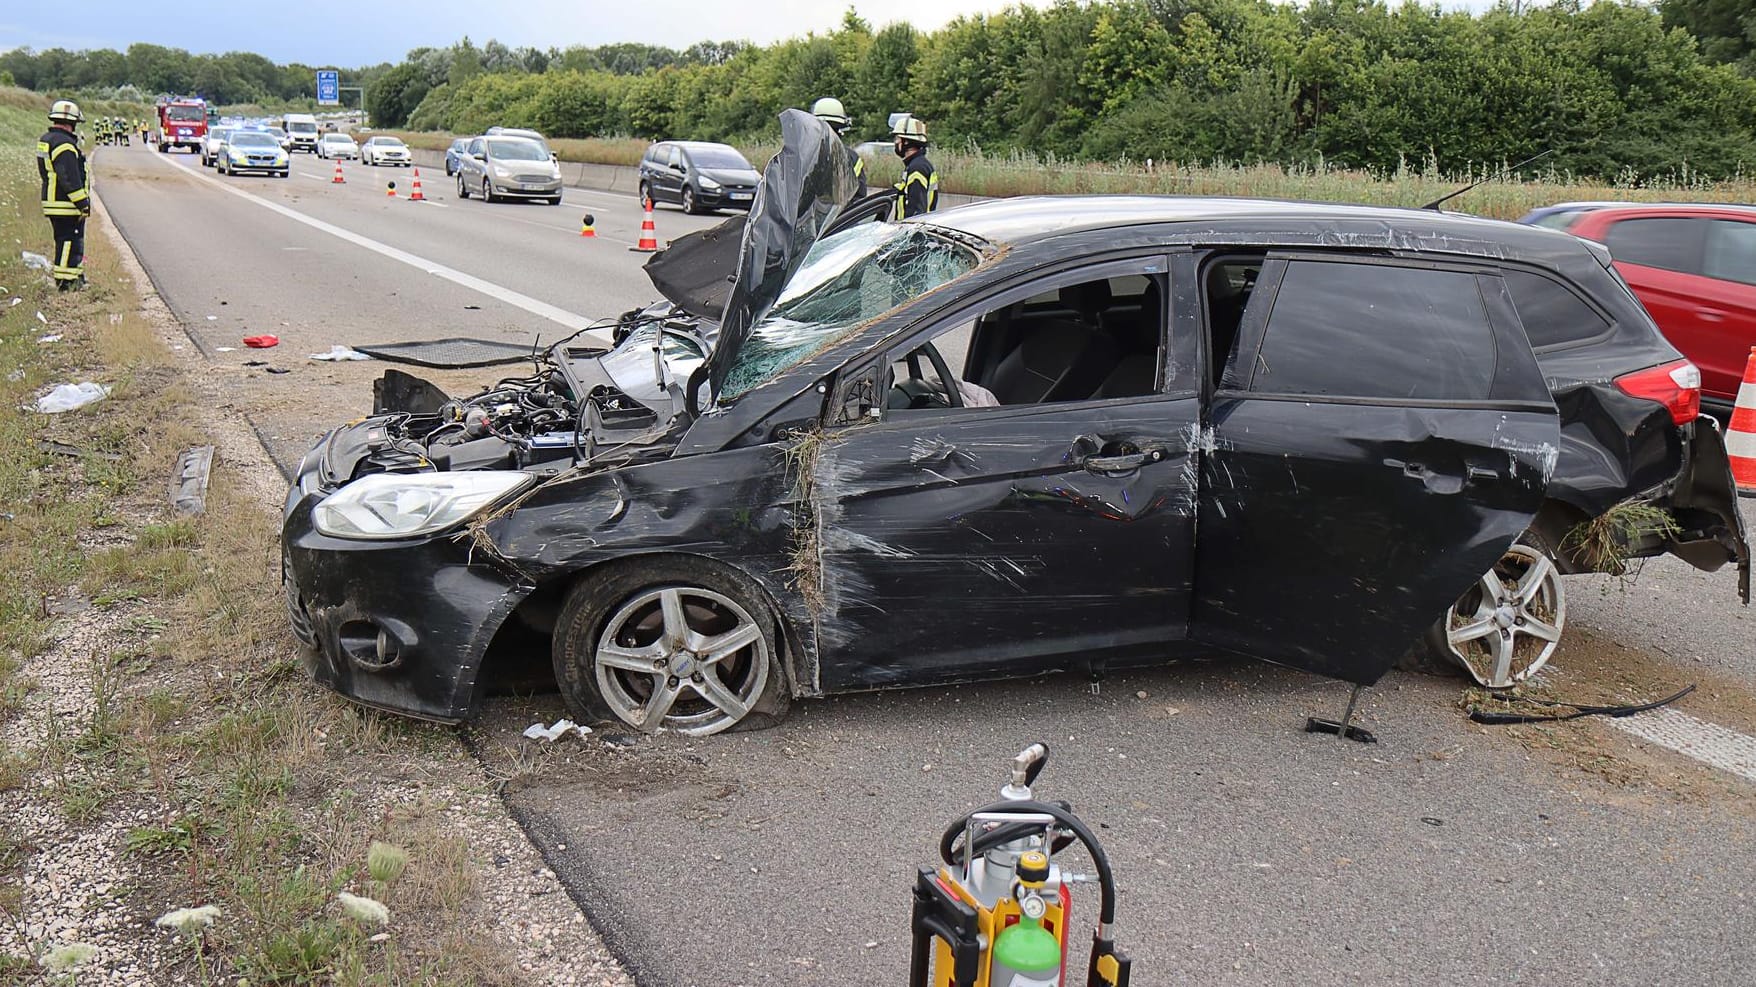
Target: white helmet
[
  {"x": 910, "y": 129},
  {"x": 65, "y": 111},
  {"x": 830, "y": 111}
]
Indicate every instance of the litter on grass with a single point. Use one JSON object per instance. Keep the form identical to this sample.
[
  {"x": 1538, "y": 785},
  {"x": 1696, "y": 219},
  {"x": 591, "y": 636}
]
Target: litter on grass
[
  {"x": 36, "y": 262},
  {"x": 561, "y": 728},
  {"x": 67, "y": 397},
  {"x": 53, "y": 337},
  {"x": 339, "y": 352}
]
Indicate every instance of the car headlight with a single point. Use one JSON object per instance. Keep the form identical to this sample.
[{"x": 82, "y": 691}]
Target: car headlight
[
  {"x": 388, "y": 505},
  {"x": 236, "y": 156},
  {"x": 708, "y": 183},
  {"x": 501, "y": 172}
]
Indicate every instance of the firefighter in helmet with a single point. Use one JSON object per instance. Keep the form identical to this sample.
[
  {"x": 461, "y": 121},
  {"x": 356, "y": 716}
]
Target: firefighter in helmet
[
  {"x": 66, "y": 197},
  {"x": 919, "y": 187},
  {"x": 830, "y": 111}
]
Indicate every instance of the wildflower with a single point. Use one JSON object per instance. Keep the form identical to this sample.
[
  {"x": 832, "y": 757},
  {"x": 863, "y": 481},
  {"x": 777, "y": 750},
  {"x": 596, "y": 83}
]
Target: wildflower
[
  {"x": 63, "y": 958},
  {"x": 386, "y": 862},
  {"x": 363, "y": 909},
  {"x": 190, "y": 920}
]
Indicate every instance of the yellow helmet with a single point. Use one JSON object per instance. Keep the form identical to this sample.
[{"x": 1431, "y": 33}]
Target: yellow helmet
[
  {"x": 65, "y": 111},
  {"x": 910, "y": 129},
  {"x": 830, "y": 111}
]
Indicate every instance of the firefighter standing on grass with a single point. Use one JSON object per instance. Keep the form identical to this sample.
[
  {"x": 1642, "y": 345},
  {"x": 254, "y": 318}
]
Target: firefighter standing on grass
[
  {"x": 831, "y": 112},
  {"x": 66, "y": 197},
  {"x": 920, "y": 183}
]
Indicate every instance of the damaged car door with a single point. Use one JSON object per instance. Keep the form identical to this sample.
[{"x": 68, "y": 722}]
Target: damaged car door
[
  {"x": 1378, "y": 435},
  {"x": 1008, "y": 486}
]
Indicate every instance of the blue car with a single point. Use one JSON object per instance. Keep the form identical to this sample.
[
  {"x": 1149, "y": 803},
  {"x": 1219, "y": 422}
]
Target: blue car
[{"x": 454, "y": 155}]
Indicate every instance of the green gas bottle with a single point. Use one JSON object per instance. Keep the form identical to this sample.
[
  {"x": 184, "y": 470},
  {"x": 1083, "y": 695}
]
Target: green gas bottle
[{"x": 1026, "y": 954}]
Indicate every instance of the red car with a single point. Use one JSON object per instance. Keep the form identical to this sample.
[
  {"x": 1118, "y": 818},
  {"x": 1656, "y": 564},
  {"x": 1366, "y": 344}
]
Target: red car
[{"x": 1694, "y": 268}]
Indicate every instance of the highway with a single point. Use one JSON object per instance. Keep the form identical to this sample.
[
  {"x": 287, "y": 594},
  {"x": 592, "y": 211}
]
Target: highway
[{"x": 1249, "y": 852}]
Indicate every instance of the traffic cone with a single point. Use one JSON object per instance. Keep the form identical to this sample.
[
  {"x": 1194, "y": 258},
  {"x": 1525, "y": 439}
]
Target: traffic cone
[
  {"x": 648, "y": 233},
  {"x": 585, "y": 227},
  {"x": 338, "y": 180},
  {"x": 1741, "y": 432},
  {"x": 415, "y": 193},
  {"x": 390, "y": 190}
]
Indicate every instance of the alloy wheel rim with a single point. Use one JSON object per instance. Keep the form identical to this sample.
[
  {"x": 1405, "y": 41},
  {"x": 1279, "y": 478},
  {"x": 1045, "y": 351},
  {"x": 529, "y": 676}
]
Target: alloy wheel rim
[
  {"x": 683, "y": 658},
  {"x": 1507, "y": 626}
]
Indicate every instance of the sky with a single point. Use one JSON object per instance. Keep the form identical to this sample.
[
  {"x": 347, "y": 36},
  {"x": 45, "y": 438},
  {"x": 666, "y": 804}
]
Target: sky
[{"x": 351, "y": 34}]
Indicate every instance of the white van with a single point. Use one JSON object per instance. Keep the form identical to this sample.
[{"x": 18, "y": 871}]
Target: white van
[{"x": 301, "y": 131}]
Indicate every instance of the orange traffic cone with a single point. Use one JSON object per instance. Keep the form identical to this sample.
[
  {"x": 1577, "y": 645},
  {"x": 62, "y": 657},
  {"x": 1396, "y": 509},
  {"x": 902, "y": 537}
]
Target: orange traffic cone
[
  {"x": 1741, "y": 432},
  {"x": 415, "y": 193},
  {"x": 585, "y": 227},
  {"x": 338, "y": 180},
  {"x": 648, "y": 233},
  {"x": 390, "y": 190}
]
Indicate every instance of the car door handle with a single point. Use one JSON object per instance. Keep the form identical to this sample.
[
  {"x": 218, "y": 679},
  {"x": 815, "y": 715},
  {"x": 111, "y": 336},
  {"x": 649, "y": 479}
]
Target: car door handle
[{"x": 1111, "y": 465}]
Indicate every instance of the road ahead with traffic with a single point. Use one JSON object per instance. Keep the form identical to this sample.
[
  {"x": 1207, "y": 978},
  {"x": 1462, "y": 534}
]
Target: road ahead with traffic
[{"x": 1249, "y": 852}]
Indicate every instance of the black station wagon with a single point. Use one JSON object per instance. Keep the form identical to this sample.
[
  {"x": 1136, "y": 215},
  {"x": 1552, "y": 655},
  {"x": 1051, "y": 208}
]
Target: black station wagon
[{"x": 1012, "y": 437}]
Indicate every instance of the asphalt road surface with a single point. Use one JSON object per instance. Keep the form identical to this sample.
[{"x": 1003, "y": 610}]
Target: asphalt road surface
[{"x": 1248, "y": 851}]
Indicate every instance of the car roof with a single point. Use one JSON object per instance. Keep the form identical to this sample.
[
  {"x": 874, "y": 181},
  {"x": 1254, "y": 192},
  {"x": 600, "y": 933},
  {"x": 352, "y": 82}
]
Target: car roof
[
  {"x": 1692, "y": 208},
  {"x": 706, "y": 146},
  {"x": 506, "y": 136},
  {"x": 1270, "y": 222}
]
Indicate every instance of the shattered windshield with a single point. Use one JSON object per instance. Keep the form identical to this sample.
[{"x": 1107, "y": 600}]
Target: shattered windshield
[{"x": 846, "y": 280}]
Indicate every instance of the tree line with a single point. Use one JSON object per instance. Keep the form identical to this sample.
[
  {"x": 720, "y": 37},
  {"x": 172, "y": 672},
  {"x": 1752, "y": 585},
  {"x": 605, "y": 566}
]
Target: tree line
[{"x": 1614, "y": 90}]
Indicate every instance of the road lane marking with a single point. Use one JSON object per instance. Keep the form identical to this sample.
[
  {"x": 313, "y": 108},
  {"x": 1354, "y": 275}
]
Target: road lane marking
[
  {"x": 537, "y": 307},
  {"x": 1709, "y": 743}
]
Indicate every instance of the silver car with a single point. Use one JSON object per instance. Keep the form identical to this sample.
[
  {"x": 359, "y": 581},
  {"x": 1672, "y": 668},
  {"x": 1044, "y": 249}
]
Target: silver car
[
  {"x": 383, "y": 150},
  {"x": 508, "y": 168}
]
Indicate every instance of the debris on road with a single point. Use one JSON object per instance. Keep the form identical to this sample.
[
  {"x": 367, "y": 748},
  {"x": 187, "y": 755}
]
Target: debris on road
[
  {"x": 262, "y": 342},
  {"x": 68, "y": 397},
  {"x": 560, "y": 728},
  {"x": 189, "y": 480},
  {"x": 338, "y": 353}
]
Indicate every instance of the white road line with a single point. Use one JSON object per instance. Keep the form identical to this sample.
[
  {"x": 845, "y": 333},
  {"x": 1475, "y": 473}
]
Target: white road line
[
  {"x": 1709, "y": 743},
  {"x": 571, "y": 320}
]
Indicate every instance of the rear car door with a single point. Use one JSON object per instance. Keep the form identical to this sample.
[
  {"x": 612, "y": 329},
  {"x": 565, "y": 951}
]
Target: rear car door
[
  {"x": 957, "y": 542},
  {"x": 1706, "y": 316},
  {"x": 1380, "y": 434}
]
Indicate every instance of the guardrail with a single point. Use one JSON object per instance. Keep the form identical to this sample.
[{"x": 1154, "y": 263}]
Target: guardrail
[{"x": 623, "y": 178}]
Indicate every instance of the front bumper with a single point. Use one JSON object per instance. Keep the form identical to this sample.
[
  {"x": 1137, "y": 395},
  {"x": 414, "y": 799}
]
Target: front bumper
[
  {"x": 266, "y": 169},
  {"x": 726, "y": 198},
  {"x": 546, "y": 189},
  {"x": 401, "y": 626}
]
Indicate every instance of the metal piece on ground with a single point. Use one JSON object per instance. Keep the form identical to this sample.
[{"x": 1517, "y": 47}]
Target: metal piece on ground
[
  {"x": 1344, "y": 727},
  {"x": 451, "y": 353},
  {"x": 189, "y": 481}
]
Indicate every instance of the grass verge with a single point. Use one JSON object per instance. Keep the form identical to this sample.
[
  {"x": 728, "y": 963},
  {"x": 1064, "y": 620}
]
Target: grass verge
[{"x": 157, "y": 733}]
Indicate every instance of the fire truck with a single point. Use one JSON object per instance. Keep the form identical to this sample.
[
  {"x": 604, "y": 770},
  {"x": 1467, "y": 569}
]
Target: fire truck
[{"x": 182, "y": 123}]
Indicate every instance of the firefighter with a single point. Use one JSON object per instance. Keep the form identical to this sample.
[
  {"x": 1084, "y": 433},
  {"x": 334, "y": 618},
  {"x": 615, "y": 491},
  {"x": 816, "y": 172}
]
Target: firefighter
[
  {"x": 66, "y": 199},
  {"x": 919, "y": 187},
  {"x": 830, "y": 111}
]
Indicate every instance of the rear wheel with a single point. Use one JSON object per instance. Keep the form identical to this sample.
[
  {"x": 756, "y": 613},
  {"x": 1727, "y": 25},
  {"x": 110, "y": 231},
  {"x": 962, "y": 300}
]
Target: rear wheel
[
  {"x": 1502, "y": 630},
  {"x": 671, "y": 644}
]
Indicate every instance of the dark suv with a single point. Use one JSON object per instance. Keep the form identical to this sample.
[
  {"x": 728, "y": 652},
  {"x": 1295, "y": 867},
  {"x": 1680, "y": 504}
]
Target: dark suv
[
  {"x": 698, "y": 176},
  {"x": 1017, "y": 436}
]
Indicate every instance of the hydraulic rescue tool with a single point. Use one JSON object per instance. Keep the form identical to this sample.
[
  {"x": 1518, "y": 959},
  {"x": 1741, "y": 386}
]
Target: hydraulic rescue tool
[{"x": 997, "y": 913}]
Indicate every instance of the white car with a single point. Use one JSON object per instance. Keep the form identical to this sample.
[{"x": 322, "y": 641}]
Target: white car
[
  {"x": 335, "y": 145},
  {"x": 385, "y": 150},
  {"x": 213, "y": 142}
]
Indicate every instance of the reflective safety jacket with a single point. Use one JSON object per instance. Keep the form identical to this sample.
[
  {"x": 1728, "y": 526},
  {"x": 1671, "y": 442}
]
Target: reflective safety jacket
[
  {"x": 859, "y": 164},
  {"x": 62, "y": 169},
  {"x": 919, "y": 187}
]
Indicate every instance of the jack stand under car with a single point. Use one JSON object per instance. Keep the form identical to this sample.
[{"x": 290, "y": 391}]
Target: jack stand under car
[{"x": 996, "y": 914}]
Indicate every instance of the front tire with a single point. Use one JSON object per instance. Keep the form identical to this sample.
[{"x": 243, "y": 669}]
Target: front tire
[
  {"x": 672, "y": 644},
  {"x": 689, "y": 200},
  {"x": 1505, "y": 628},
  {"x": 462, "y": 187},
  {"x": 488, "y": 190}
]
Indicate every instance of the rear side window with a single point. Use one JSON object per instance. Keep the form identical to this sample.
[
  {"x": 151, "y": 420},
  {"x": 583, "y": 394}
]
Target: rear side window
[
  {"x": 1668, "y": 244},
  {"x": 1551, "y": 313},
  {"x": 1376, "y": 331},
  {"x": 1731, "y": 251}
]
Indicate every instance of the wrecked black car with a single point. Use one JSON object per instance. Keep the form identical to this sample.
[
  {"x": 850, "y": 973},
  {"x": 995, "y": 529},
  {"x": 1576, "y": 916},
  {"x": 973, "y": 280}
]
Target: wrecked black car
[{"x": 1014, "y": 437}]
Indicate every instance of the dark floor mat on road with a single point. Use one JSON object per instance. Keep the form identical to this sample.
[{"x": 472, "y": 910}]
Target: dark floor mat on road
[{"x": 455, "y": 353}]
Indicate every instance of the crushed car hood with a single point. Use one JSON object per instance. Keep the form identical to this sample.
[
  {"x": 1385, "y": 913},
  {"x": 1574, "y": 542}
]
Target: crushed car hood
[
  {"x": 803, "y": 190},
  {"x": 695, "y": 272}
]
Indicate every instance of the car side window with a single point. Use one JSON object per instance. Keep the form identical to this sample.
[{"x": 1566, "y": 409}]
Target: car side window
[
  {"x": 1731, "y": 251},
  {"x": 1086, "y": 341},
  {"x": 1552, "y": 314},
  {"x": 676, "y": 157},
  {"x": 1376, "y": 331},
  {"x": 1671, "y": 244},
  {"x": 475, "y": 146}
]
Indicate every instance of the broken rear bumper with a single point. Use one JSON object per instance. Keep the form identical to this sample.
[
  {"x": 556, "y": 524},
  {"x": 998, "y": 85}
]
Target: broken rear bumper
[
  {"x": 401, "y": 626},
  {"x": 1703, "y": 501}
]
